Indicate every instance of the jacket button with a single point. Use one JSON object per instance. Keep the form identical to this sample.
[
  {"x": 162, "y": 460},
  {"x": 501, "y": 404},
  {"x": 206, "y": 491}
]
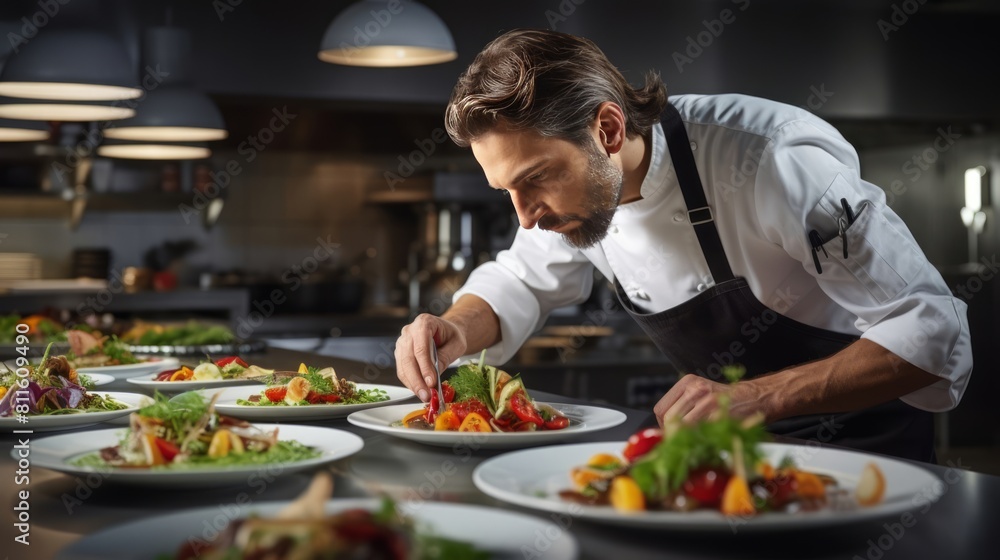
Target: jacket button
[
  {"x": 702, "y": 286},
  {"x": 694, "y": 145},
  {"x": 679, "y": 217},
  {"x": 613, "y": 228}
]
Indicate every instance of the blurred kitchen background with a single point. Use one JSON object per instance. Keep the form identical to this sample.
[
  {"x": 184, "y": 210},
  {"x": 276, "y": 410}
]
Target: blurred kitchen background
[{"x": 335, "y": 208}]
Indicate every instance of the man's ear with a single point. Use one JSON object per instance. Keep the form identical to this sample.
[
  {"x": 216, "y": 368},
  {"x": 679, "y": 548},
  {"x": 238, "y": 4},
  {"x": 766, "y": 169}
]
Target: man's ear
[{"x": 610, "y": 125}]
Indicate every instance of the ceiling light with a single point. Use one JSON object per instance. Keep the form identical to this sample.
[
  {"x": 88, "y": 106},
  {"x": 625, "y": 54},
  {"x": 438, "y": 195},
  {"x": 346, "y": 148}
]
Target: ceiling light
[
  {"x": 153, "y": 151},
  {"x": 22, "y": 131},
  {"x": 42, "y": 110},
  {"x": 70, "y": 66},
  {"x": 172, "y": 114},
  {"x": 387, "y": 33}
]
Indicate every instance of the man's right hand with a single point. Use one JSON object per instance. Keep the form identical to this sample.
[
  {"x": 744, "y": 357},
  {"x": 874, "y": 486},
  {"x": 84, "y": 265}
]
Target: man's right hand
[{"x": 414, "y": 365}]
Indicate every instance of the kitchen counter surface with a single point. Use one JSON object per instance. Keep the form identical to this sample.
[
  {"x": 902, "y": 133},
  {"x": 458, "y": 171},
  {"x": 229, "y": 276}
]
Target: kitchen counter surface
[{"x": 958, "y": 525}]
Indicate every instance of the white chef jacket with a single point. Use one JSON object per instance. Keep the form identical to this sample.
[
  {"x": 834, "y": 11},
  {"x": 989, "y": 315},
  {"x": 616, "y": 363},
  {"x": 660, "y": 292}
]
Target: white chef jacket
[{"x": 772, "y": 172}]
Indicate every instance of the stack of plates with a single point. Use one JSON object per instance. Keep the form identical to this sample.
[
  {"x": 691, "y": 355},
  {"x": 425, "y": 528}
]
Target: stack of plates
[{"x": 20, "y": 266}]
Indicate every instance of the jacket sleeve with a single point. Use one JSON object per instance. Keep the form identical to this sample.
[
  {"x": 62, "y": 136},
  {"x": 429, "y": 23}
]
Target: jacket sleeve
[
  {"x": 539, "y": 273},
  {"x": 899, "y": 299}
]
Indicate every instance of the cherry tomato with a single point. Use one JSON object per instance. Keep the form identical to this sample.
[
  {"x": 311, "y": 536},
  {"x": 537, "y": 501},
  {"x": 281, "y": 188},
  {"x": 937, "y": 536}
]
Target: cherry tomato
[
  {"x": 706, "y": 485},
  {"x": 557, "y": 423},
  {"x": 230, "y": 359},
  {"x": 276, "y": 394},
  {"x": 469, "y": 406},
  {"x": 524, "y": 410},
  {"x": 641, "y": 442}
]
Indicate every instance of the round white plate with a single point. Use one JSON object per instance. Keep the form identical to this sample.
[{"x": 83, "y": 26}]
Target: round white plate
[
  {"x": 99, "y": 379},
  {"x": 51, "y": 422},
  {"x": 227, "y": 404},
  {"x": 509, "y": 535},
  {"x": 153, "y": 365},
  {"x": 583, "y": 419},
  {"x": 56, "y": 452},
  {"x": 171, "y": 387},
  {"x": 534, "y": 477}
]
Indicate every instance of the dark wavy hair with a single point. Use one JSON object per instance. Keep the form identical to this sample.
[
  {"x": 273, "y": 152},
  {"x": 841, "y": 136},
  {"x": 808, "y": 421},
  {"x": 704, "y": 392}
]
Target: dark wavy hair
[{"x": 549, "y": 82}]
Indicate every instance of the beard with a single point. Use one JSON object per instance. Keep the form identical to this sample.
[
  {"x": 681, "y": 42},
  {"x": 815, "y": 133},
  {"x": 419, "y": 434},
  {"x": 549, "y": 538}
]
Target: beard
[{"x": 601, "y": 198}]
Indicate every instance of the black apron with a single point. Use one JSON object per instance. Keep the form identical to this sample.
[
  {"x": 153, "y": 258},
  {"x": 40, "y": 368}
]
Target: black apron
[{"x": 706, "y": 332}]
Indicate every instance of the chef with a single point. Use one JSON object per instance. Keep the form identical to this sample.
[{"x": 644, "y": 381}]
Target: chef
[{"x": 736, "y": 230}]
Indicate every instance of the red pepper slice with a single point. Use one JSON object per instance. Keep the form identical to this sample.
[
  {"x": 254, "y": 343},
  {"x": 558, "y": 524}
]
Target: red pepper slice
[
  {"x": 641, "y": 442},
  {"x": 167, "y": 449},
  {"x": 524, "y": 410},
  {"x": 331, "y": 398},
  {"x": 231, "y": 359},
  {"x": 432, "y": 408},
  {"x": 449, "y": 392},
  {"x": 165, "y": 376}
]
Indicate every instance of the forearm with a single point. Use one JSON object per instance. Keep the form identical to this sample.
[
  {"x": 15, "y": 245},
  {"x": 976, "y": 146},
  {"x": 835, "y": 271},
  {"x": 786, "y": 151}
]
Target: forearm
[
  {"x": 476, "y": 319},
  {"x": 860, "y": 376}
]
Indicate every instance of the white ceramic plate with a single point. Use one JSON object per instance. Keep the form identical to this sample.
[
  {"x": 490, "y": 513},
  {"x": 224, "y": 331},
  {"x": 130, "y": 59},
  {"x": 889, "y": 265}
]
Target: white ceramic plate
[
  {"x": 171, "y": 387},
  {"x": 583, "y": 420},
  {"x": 64, "y": 421},
  {"x": 99, "y": 379},
  {"x": 227, "y": 404},
  {"x": 534, "y": 477},
  {"x": 510, "y": 535},
  {"x": 153, "y": 365},
  {"x": 56, "y": 452}
]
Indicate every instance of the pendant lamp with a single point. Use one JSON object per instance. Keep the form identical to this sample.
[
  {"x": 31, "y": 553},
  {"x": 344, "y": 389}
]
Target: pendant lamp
[
  {"x": 387, "y": 33},
  {"x": 69, "y": 66}
]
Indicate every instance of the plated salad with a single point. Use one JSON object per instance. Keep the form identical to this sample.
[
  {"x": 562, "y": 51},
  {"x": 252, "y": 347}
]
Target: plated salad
[
  {"x": 190, "y": 334},
  {"x": 91, "y": 349},
  {"x": 230, "y": 367},
  {"x": 482, "y": 398},
  {"x": 53, "y": 387},
  {"x": 714, "y": 464},
  {"x": 311, "y": 386},
  {"x": 186, "y": 431},
  {"x": 40, "y": 328},
  {"x": 304, "y": 531}
]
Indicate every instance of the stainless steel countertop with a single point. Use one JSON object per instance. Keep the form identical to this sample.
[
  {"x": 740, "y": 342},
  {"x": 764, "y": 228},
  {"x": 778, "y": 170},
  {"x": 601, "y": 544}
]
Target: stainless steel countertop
[{"x": 960, "y": 525}]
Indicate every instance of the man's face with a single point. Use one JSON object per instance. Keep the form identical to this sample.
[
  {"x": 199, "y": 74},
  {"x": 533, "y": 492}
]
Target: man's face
[{"x": 553, "y": 183}]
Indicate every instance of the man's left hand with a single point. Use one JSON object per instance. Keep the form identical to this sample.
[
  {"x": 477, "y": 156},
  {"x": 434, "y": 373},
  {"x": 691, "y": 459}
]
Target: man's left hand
[{"x": 695, "y": 398}]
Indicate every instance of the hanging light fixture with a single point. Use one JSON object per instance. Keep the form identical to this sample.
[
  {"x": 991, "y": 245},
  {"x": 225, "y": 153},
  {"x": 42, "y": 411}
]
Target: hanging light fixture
[
  {"x": 158, "y": 151},
  {"x": 48, "y": 110},
  {"x": 12, "y": 130},
  {"x": 172, "y": 114},
  {"x": 70, "y": 66},
  {"x": 387, "y": 33},
  {"x": 175, "y": 111}
]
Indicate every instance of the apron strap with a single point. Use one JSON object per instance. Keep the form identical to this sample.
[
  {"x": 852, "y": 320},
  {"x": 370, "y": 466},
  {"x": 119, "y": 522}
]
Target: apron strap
[{"x": 699, "y": 212}]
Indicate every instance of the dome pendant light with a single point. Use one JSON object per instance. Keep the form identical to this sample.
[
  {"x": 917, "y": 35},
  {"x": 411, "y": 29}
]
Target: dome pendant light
[
  {"x": 70, "y": 66},
  {"x": 22, "y": 131},
  {"x": 387, "y": 33},
  {"x": 175, "y": 111},
  {"x": 47, "y": 110}
]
